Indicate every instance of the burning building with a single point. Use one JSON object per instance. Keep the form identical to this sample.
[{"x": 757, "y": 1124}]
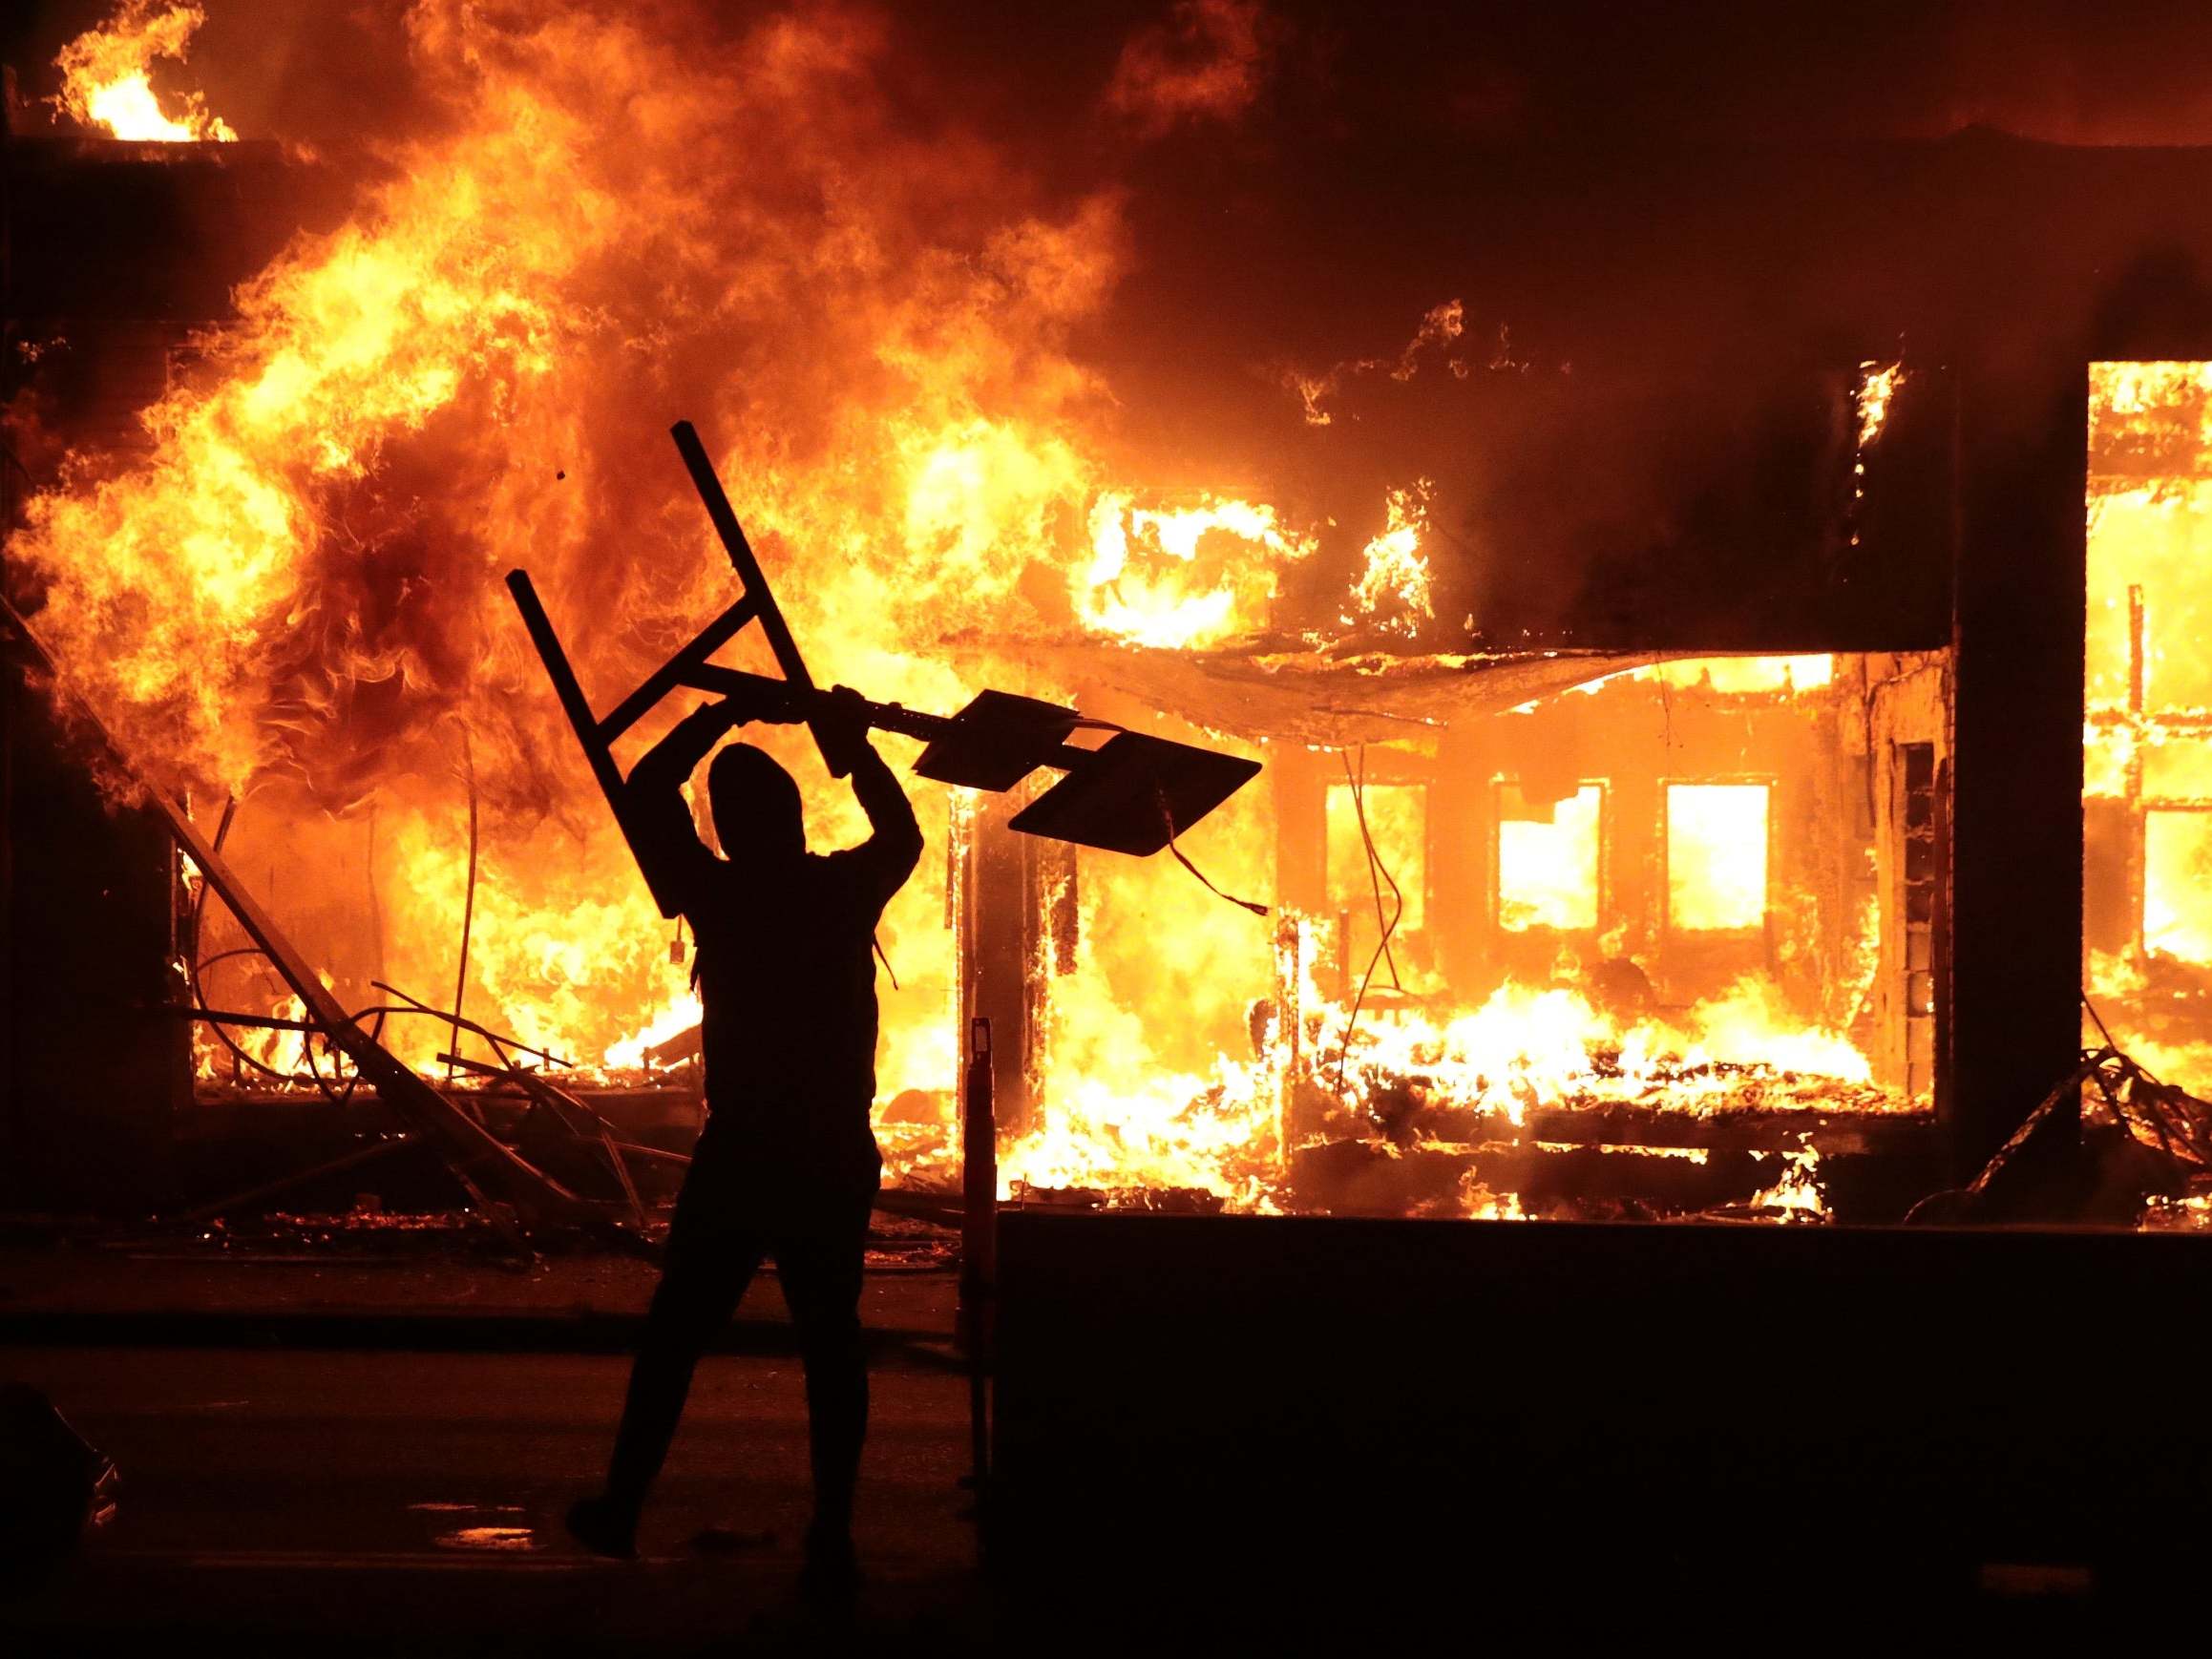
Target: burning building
[
  {"x": 1710, "y": 601},
  {"x": 1657, "y": 623}
]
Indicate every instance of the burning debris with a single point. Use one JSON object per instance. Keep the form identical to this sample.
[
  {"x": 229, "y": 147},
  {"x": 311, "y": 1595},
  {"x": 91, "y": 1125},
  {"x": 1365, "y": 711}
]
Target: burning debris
[
  {"x": 1394, "y": 587},
  {"x": 2142, "y": 1155}
]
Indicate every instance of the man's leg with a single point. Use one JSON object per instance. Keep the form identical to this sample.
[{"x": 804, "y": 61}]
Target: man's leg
[
  {"x": 703, "y": 1272},
  {"x": 703, "y": 1277},
  {"x": 701, "y": 1285},
  {"x": 821, "y": 1279}
]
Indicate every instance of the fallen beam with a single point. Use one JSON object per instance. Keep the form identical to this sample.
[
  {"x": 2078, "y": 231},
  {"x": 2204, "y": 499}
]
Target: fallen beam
[{"x": 482, "y": 1162}]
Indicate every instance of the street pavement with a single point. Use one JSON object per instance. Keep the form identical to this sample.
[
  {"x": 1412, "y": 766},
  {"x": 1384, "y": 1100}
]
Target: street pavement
[
  {"x": 164, "y": 1290},
  {"x": 378, "y": 1502}
]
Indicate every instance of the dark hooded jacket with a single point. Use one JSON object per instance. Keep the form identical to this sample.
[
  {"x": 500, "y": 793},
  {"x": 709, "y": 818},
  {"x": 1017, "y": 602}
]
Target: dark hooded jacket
[{"x": 785, "y": 968}]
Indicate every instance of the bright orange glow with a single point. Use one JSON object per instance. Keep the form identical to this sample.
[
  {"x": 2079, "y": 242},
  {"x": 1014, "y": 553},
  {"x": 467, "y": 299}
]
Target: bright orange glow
[
  {"x": 1195, "y": 574},
  {"x": 1716, "y": 855},
  {"x": 1130, "y": 1100},
  {"x": 2177, "y": 875},
  {"x": 1548, "y": 867},
  {"x": 1524, "y": 1049},
  {"x": 1746, "y": 676},
  {"x": 2147, "y": 745},
  {"x": 1396, "y": 818},
  {"x": 253, "y": 610},
  {"x": 289, "y": 595},
  {"x": 107, "y": 78}
]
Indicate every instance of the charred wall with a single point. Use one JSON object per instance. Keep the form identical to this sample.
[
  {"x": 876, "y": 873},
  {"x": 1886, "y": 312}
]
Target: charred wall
[
  {"x": 95, "y": 1067},
  {"x": 114, "y": 255}
]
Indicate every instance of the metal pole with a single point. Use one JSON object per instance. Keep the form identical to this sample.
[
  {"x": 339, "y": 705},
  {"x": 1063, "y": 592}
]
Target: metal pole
[
  {"x": 8, "y": 670},
  {"x": 979, "y": 1242}
]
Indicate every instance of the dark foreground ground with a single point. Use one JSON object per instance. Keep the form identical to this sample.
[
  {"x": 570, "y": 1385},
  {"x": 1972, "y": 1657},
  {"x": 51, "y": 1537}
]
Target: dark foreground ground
[
  {"x": 347, "y": 1455},
  {"x": 405, "y": 1502}
]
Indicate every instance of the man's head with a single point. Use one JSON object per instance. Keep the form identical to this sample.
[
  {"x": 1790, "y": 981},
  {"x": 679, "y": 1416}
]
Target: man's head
[{"x": 755, "y": 805}]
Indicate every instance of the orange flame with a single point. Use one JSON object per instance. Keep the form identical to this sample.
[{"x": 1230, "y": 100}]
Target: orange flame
[
  {"x": 1878, "y": 386},
  {"x": 292, "y": 596},
  {"x": 1393, "y": 588},
  {"x": 2146, "y": 760},
  {"x": 107, "y": 76},
  {"x": 1184, "y": 576},
  {"x": 1797, "y": 1194}
]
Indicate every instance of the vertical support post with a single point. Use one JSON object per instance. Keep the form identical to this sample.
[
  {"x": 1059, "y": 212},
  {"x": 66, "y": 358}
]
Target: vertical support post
[
  {"x": 1289, "y": 1021},
  {"x": 10, "y": 1150},
  {"x": 2137, "y": 842},
  {"x": 978, "y": 1239},
  {"x": 2018, "y": 617},
  {"x": 999, "y": 948}
]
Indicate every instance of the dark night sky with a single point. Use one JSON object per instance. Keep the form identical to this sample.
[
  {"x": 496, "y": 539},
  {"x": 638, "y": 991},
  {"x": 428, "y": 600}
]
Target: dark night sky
[{"x": 1722, "y": 70}]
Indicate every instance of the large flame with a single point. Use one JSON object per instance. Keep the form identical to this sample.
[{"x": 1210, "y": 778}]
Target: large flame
[
  {"x": 107, "y": 76},
  {"x": 292, "y": 596}
]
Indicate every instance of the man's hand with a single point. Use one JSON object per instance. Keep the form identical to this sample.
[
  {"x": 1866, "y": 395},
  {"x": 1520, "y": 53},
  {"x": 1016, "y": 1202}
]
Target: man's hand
[{"x": 842, "y": 724}]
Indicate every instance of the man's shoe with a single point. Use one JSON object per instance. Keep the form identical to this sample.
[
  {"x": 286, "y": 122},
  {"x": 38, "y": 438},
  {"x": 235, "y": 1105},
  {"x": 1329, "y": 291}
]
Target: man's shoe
[{"x": 604, "y": 1527}]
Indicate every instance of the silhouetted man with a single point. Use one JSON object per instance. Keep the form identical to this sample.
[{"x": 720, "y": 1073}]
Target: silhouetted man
[{"x": 787, "y": 1166}]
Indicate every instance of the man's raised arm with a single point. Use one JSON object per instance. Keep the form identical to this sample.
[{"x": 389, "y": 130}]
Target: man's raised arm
[{"x": 890, "y": 854}]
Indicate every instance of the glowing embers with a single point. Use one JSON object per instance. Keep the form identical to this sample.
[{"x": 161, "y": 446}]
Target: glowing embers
[
  {"x": 2177, "y": 876},
  {"x": 1716, "y": 840},
  {"x": 1547, "y": 859}
]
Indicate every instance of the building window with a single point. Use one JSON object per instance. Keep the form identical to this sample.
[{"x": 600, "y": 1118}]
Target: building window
[
  {"x": 1717, "y": 856},
  {"x": 1397, "y": 823},
  {"x": 2177, "y": 872},
  {"x": 1547, "y": 859}
]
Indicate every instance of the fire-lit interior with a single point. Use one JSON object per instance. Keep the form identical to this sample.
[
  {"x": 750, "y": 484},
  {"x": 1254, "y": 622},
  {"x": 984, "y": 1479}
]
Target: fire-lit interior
[
  {"x": 1680, "y": 888},
  {"x": 2147, "y": 741}
]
